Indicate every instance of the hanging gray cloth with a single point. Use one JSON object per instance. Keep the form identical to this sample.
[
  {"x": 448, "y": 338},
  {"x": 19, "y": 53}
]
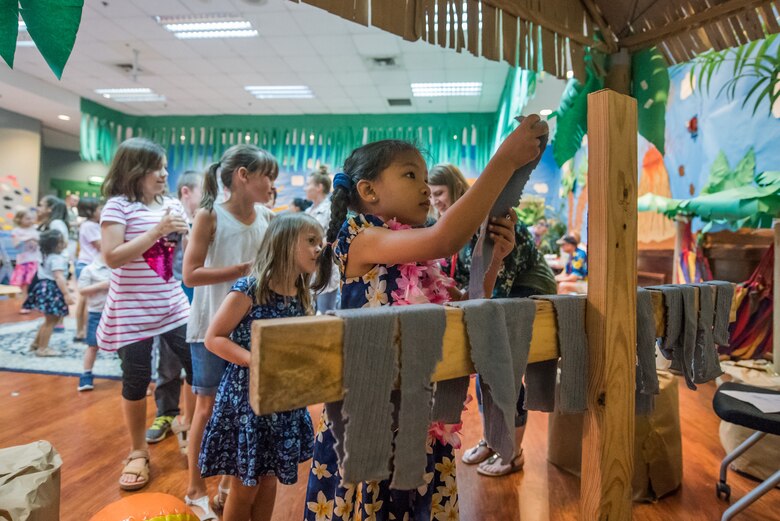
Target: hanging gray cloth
[
  {"x": 573, "y": 346},
  {"x": 674, "y": 317},
  {"x": 449, "y": 398},
  {"x": 489, "y": 342},
  {"x": 540, "y": 386},
  {"x": 646, "y": 377},
  {"x": 366, "y": 413},
  {"x": 706, "y": 364},
  {"x": 519, "y": 314},
  {"x": 482, "y": 253},
  {"x": 723, "y": 300},
  {"x": 422, "y": 331}
]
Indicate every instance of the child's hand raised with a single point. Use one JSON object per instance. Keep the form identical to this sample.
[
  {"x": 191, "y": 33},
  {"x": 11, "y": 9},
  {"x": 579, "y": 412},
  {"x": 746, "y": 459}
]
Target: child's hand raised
[
  {"x": 171, "y": 223},
  {"x": 522, "y": 145}
]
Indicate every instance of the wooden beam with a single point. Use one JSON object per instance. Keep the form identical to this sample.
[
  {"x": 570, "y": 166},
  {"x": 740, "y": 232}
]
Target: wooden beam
[
  {"x": 606, "y": 31},
  {"x": 530, "y": 15},
  {"x": 776, "y": 297},
  {"x": 710, "y": 15},
  {"x": 608, "y": 442},
  {"x": 297, "y": 362}
]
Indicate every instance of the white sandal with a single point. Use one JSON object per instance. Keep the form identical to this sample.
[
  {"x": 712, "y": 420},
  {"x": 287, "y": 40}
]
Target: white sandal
[
  {"x": 203, "y": 504},
  {"x": 502, "y": 469},
  {"x": 473, "y": 456}
]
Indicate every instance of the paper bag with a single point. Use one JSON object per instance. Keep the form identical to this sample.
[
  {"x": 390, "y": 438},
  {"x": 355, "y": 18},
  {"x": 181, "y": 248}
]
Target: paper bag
[{"x": 30, "y": 482}]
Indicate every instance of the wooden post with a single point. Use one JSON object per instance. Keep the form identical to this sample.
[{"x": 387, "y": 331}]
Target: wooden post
[
  {"x": 608, "y": 444},
  {"x": 776, "y": 298}
]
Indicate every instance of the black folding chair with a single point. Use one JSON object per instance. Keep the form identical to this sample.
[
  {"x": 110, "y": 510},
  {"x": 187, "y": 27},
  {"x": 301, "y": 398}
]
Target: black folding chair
[{"x": 741, "y": 413}]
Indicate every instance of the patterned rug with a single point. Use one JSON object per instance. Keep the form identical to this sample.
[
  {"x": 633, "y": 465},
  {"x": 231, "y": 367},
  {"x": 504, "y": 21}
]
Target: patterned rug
[{"x": 15, "y": 340}]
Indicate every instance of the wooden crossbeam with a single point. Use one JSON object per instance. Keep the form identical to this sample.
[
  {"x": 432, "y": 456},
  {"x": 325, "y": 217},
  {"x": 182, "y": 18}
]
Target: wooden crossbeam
[{"x": 297, "y": 361}]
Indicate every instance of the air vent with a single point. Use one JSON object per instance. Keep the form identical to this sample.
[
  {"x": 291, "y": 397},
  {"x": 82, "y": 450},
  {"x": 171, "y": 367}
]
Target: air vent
[
  {"x": 387, "y": 62},
  {"x": 399, "y": 102}
]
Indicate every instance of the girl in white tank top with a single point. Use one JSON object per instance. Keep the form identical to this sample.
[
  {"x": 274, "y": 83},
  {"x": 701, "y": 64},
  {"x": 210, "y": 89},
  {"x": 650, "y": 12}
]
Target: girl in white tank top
[{"x": 224, "y": 241}]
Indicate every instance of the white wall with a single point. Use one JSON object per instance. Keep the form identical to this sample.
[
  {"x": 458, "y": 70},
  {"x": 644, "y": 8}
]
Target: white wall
[{"x": 20, "y": 153}]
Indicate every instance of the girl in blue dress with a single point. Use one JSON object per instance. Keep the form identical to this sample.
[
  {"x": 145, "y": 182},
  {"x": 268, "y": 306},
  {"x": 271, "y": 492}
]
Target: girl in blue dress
[
  {"x": 384, "y": 261},
  {"x": 256, "y": 451}
]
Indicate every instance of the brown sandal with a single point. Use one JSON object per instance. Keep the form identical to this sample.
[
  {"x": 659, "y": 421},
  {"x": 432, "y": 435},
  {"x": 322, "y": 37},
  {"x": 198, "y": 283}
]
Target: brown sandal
[{"x": 136, "y": 464}]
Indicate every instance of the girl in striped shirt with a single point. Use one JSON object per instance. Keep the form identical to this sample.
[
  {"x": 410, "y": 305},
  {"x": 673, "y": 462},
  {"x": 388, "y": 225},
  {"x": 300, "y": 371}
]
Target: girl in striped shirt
[{"x": 140, "y": 227}]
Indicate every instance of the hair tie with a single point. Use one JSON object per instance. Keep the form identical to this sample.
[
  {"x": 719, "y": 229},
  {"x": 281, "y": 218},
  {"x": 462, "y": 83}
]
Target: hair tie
[{"x": 344, "y": 181}]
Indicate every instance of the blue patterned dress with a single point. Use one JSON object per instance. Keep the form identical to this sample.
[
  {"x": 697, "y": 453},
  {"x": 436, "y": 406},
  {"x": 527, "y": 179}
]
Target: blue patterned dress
[
  {"x": 239, "y": 443},
  {"x": 326, "y": 499}
]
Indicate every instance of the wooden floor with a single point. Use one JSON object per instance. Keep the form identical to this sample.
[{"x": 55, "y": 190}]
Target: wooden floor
[{"x": 87, "y": 430}]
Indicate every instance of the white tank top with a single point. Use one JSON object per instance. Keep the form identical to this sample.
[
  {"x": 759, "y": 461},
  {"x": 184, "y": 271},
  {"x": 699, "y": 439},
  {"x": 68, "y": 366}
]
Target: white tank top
[{"x": 234, "y": 242}]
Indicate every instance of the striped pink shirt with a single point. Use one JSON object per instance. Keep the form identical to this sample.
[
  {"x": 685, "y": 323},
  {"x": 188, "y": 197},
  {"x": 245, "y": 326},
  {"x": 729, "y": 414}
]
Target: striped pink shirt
[{"x": 140, "y": 304}]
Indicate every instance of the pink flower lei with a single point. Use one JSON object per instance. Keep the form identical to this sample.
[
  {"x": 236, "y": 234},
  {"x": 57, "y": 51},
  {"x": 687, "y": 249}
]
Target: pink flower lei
[{"x": 420, "y": 282}]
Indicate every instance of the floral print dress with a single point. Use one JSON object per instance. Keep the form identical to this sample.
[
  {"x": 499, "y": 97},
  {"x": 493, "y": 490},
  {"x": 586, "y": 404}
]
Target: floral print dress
[
  {"x": 327, "y": 499},
  {"x": 236, "y": 441}
]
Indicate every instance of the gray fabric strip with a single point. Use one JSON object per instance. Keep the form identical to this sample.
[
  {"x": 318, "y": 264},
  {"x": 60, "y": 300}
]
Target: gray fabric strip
[
  {"x": 369, "y": 373},
  {"x": 684, "y": 360},
  {"x": 507, "y": 199},
  {"x": 647, "y": 378},
  {"x": 422, "y": 331},
  {"x": 540, "y": 386},
  {"x": 723, "y": 300},
  {"x": 489, "y": 341},
  {"x": 448, "y": 399},
  {"x": 706, "y": 364},
  {"x": 573, "y": 346},
  {"x": 674, "y": 315},
  {"x": 519, "y": 314}
]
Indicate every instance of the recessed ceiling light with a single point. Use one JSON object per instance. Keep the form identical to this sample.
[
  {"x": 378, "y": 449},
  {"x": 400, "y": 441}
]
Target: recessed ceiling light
[
  {"x": 218, "y": 25},
  {"x": 569, "y": 74},
  {"x": 135, "y": 94},
  {"x": 428, "y": 90},
  {"x": 279, "y": 91},
  {"x": 63, "y": 117},
  {"x": 545, "y": 112}
]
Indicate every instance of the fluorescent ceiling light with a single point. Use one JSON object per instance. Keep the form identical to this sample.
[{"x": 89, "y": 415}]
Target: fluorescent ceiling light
[
  {"x": 569, "y": 74},
  {"x": 280, "y": 91},
  {"x": 136, "y": 94},
  {"x": 429, "y": 90},
  {"x": 218, "y": 25},
  {"x": 209, "y": 26},
  {"x": 63, "y": 117},
  {"x": 25, "y": 43},
  {"x": 192, "y": 35}
]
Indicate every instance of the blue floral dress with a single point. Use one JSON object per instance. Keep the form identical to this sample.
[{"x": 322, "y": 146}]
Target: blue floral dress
[
  {"x": 239, "y": 443},
  {"x": 326, "y": 498}
]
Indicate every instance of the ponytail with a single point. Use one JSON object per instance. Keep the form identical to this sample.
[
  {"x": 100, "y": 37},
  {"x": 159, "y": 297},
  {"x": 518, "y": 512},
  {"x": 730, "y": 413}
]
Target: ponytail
[
  {"x": 210, "y": 187},
  {"x": 339, "y": 206}
]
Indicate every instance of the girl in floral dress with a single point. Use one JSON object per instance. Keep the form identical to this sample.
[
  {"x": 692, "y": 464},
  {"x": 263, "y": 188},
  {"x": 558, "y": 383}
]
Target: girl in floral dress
[
  {"x": 383, "y": 261},
  {"x": 256, "y": 451}
]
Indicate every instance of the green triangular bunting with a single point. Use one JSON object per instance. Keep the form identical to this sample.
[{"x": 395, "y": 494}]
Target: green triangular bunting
[
  {"x": 53, "y": 25},
  {"x": 9, "y": 29}
]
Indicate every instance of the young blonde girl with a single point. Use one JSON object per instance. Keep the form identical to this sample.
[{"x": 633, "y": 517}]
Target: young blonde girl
[
  {"x": 384, "y": 183},
  {"x": 50, "y": 295},
  {"x": 140, "y": 227},
  {"x": 224, "y": 241},
  {"x": 256, "y": 451},
  {"x": 25, "y": 239}
]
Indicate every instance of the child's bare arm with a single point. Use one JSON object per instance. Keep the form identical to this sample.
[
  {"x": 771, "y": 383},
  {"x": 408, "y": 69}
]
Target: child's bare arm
[
  {"x": 59, "y": 278},
  {"x": 233, "y": 309},
  {"x": 92, "y": 289},
  {"x": 193, "y": 270}
]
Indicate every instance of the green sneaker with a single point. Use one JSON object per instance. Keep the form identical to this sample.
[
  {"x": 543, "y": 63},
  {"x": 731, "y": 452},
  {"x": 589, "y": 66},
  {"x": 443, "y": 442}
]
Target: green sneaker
[{"x": 159, "y": 429}]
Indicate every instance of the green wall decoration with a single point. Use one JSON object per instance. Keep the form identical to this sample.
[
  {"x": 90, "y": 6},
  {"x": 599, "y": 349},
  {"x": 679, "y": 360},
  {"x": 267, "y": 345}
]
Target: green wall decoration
[
  {"x": 650, "y": 87},
  {"x": 52, "y": 25},
  {"x": 298, "y": 142},
  {"x": 572, "y": 113}
]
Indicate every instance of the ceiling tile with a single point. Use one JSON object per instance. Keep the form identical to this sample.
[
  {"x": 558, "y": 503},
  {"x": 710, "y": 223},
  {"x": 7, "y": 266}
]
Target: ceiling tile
[
  {"x": 377, "y": 44},
  {"x": 290, "y": 45},
  {"x": 345, "y": 63}
]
